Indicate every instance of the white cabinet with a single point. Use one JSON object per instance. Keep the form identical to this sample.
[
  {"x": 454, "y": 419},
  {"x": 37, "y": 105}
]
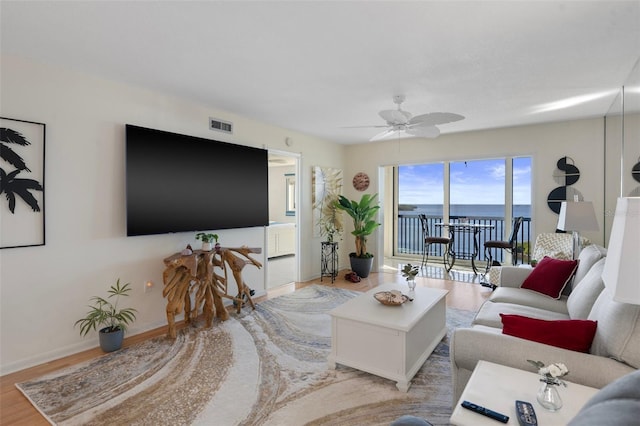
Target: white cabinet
[
  {"x": 281, "y": 239},
  {"x": 390, "y": 342}
]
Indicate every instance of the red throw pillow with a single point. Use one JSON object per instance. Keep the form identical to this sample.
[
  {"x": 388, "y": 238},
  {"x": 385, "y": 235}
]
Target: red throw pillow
[
  {"x": 550, "y": 276},
  {"x": 575, "y": 335}
]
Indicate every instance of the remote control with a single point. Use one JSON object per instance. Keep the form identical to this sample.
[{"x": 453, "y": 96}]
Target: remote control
[
  {"x": 485, "y": 412},
  {"x": 526, "y": 414}
]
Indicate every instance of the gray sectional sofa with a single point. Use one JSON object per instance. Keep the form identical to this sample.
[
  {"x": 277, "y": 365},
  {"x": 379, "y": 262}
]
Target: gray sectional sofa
[{"x": 614, "y": 352}]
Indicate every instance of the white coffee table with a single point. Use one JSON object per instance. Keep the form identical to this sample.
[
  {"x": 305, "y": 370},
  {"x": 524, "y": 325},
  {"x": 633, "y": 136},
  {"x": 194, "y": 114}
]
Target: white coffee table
[
  {"x": 389, "y": 341},
  {"x": 497, "y": 388}
]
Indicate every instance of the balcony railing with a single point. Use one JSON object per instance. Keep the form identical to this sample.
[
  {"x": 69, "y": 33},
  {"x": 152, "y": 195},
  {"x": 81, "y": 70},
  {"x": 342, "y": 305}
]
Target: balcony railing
[{"x": 410, "y": 241}]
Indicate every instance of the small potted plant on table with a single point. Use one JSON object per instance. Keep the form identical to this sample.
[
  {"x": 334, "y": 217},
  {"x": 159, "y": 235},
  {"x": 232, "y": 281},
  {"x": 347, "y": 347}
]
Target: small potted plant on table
[
  {"x": 207, "y": 239},
  {"x": 409, "y": 272},
  {"x": 105, "y": 314}
]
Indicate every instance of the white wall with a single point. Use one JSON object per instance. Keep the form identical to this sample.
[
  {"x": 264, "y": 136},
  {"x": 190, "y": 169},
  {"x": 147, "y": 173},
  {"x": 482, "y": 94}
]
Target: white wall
[
  {"x": 44, "y": 290},
  {"x": 582, "y": 140}
]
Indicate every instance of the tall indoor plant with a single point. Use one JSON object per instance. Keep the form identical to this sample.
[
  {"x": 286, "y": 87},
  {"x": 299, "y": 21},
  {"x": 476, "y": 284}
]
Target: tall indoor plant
[
  {"x": 105, "y": 314},
  {"x": 363, "y": 214}
]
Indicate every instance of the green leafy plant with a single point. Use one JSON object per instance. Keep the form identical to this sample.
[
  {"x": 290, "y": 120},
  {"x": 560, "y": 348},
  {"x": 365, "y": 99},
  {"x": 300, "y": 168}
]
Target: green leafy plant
[
  {"x": 105, "y": 314},
  {"x": 363, "y": 214},
  {"x": 409, "y": 271},
  {"x": 206, "y": 238}
]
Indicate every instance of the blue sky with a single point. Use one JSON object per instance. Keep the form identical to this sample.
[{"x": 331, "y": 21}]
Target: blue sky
[{"x": 476, "y": 182}]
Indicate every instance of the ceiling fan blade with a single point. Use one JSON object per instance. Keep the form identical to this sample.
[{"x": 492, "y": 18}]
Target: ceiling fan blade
[
  {"x": 364, "y": 127},
  {"x": 384, "y": 135},
  {"x": 395, "y": 116},
  {"x": 435, "y": 118},
  {"x": 424, "y": 131}
]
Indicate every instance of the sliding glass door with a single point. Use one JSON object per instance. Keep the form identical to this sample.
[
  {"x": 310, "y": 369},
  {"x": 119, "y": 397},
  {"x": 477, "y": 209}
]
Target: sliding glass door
[
  {"x": 488, "y": 192},
  {"x": 420, "y": 191}
]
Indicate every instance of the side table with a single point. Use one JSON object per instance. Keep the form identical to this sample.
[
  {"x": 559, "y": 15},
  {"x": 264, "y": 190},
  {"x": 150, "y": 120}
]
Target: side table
[
  {"x": 497, "y": 388},
  {"x": 329, "y": 260}
]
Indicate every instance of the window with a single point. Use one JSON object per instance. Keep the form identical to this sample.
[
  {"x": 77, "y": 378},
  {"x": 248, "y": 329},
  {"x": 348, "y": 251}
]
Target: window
[
  {"x": 421, "y": 186},
  {"x": 476, "y": 190},
  {"x": 522, "y": 186},
  {"x": 420, "y": 190}
]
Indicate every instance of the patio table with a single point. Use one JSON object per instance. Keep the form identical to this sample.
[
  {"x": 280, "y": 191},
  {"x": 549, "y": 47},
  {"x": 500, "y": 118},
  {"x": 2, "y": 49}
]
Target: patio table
[{"x": 464, "y": 227}]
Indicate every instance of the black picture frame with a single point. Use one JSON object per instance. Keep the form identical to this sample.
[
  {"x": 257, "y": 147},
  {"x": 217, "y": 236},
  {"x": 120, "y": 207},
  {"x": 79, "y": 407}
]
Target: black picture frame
[{"x": 22, "y": 173}]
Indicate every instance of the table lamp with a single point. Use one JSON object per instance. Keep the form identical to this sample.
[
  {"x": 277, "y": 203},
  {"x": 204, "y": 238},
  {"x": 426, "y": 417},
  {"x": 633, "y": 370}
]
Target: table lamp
[
  {"x": 622, "y": 265},
  {"x": 577, "y": 216}
]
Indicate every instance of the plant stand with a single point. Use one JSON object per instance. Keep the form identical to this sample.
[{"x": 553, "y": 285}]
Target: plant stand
[{"x": 329, "y": 260}]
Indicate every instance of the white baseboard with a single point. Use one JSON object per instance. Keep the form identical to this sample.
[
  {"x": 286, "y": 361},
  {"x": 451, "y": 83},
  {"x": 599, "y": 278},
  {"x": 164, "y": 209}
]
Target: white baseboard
[{"x": 66, "y": 351}]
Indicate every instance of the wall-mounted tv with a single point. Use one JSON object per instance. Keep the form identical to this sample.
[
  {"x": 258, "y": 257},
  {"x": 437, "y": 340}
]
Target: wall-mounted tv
[{"x": 179, "y": 183}]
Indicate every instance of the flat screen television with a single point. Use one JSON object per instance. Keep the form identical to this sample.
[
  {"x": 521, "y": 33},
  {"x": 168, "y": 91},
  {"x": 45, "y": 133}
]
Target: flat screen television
[{"x": 179, "y": 183}]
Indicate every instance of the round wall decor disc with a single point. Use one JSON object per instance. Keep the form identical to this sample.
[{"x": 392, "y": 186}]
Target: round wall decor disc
[{"x": 361, "y": 181}]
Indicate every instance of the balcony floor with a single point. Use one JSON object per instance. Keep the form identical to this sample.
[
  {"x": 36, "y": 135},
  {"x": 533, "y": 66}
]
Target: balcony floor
[{"x": 461, "y": 271}]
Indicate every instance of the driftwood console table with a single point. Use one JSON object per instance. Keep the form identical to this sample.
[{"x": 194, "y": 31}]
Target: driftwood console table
[{"x": 204, "y": 273}]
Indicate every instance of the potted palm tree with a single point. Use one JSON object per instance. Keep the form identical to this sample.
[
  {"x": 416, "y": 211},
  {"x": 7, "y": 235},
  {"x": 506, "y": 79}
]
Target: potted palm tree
[
  {"x": 363, "y": 213},
  {"x": 105, "y": 314}
]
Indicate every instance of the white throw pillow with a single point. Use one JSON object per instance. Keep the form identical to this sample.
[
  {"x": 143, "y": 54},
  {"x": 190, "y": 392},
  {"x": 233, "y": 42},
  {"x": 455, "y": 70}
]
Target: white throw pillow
[
  {"x": 588, "y": 257},
  {"x": 584, "y": 294},
  {"x": 618, "y": 332}
]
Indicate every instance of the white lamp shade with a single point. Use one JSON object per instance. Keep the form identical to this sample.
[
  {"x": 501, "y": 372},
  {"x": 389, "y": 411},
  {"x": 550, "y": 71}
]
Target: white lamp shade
[
  {"x": 621, "y": 271},
  {"x": 577, "y": 216}
]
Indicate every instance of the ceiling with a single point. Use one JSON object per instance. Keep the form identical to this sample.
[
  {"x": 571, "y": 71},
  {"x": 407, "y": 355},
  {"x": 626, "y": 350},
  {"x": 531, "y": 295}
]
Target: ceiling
[
  {"x": 277, "y": 160},
  {"x": 318, "y": 67}
]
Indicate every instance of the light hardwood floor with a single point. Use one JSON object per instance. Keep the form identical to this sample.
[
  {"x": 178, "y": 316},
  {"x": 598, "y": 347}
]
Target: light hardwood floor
[{"x": 15, "y": 409}]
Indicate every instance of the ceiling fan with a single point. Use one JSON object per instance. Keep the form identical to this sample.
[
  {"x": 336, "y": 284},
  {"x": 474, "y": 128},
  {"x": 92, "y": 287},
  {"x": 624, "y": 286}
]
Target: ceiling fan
[{"x": 403, "y": 124}]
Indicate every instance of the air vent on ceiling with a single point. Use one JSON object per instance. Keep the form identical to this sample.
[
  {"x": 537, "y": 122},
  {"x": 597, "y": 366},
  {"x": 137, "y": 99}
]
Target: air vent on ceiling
[{"x": 221, "y": 125}]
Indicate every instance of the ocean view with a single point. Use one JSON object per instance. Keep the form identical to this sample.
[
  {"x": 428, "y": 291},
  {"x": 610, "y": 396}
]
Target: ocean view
[
  {"x": 409, "y": 232},
  {"x": 466, "y": 210}
]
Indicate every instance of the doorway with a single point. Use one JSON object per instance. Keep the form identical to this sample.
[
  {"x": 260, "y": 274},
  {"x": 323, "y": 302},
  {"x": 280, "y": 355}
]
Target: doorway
[{"x": 282, "y": 232}]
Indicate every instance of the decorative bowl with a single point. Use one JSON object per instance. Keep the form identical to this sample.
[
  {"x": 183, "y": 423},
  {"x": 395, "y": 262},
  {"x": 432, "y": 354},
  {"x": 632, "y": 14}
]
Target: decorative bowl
[{"x": 391, "y": 298}]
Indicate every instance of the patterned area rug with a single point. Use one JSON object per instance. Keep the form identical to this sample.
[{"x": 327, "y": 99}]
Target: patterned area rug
[{"x": 265, "y": 367}]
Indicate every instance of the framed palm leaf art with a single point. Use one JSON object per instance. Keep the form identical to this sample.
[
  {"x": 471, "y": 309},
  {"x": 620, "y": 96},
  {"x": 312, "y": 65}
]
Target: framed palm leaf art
[
  {"x": 21, "y": 183},
  {"x": 327, "y": 186}
]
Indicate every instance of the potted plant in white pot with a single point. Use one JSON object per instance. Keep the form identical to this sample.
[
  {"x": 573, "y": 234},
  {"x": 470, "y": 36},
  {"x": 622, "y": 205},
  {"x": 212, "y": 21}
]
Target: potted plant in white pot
[
  {"x": 363, "y": 214},
  {"x": 207, "y": 239},
  {"x": 105, "y": 314}
]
